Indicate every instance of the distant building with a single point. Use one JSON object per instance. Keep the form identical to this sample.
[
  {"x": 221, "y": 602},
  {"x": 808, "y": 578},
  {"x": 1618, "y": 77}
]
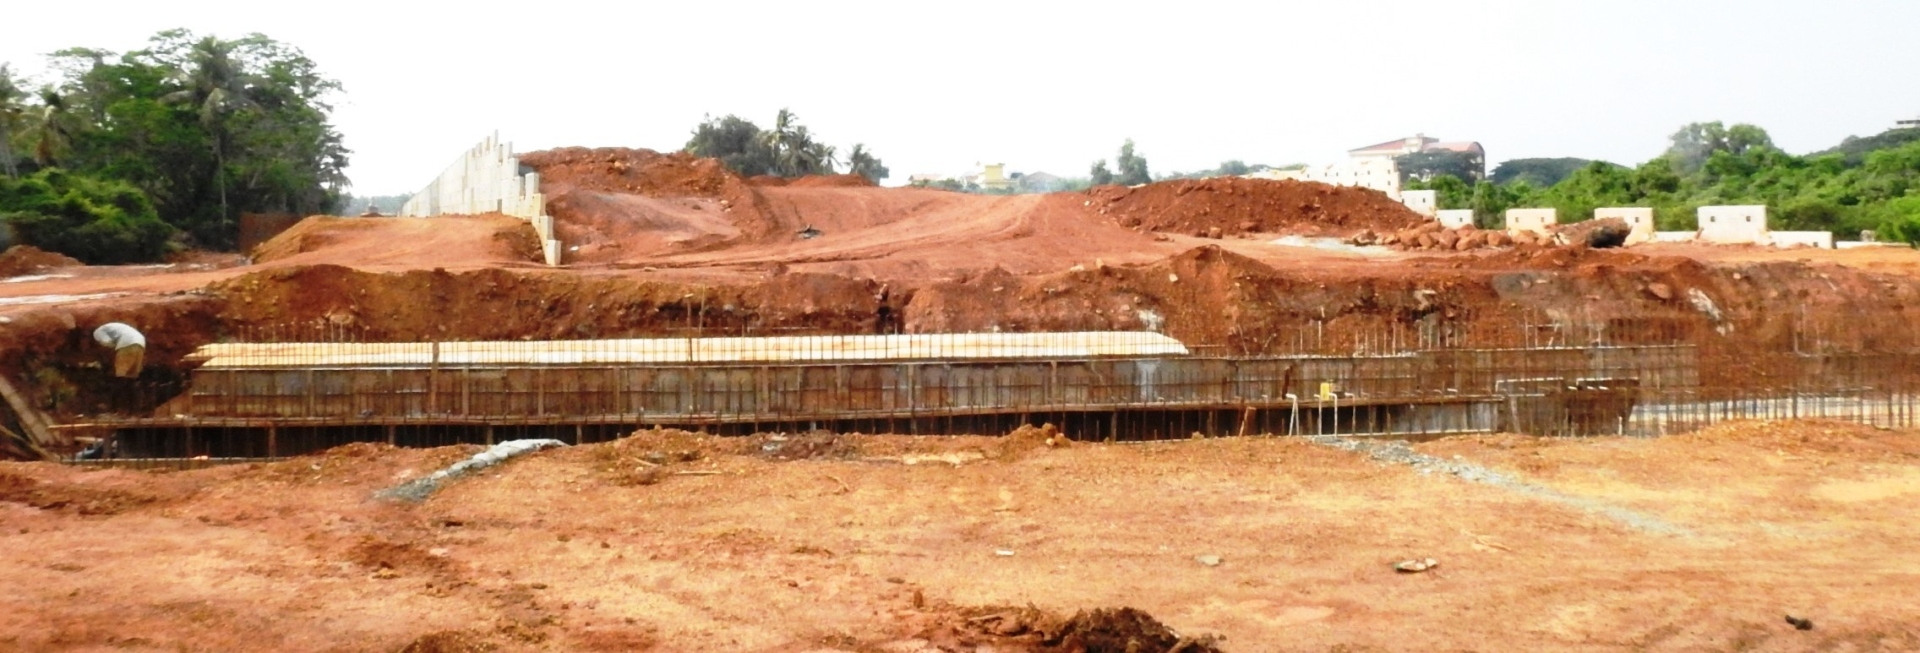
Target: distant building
[
  {"x": 1376, "y": 166},
  {"x": 993, "y": 176}
]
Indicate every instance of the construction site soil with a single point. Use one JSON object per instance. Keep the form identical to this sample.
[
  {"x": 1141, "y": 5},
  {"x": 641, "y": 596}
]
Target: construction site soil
[
  {"x": 668, "y": 244},
  {"x": 673, "y": 541}
]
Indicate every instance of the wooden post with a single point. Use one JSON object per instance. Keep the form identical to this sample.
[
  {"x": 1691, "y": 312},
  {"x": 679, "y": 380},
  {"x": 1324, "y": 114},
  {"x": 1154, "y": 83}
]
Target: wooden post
[
  {"x": 31, "y": 420},
  {"x": 390, "y": 434},
  {"x": 273, "y": 441},
  {"x": 1246, "y": 420}
]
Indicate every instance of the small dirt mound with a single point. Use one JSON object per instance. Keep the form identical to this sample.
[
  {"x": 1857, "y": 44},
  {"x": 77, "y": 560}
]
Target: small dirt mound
[
  {"x": 1101, "y": 630},
  {"x": 1228, "y": 206},
  {"x": 767, "y": 181},
  {"x": 1124, "y": 630},
  {"x": 641, "y": 458},
  {"x": 27, "y": 259},
  {"x": 1030, "y": 438},
  {"x": 451, "y": 641},
  {"x": 449, "y": 239}
]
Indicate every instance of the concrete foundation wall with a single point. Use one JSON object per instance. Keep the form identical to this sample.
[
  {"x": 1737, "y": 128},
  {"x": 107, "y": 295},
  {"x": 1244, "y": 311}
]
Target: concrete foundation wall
[
  {"x": 1820, "y": 239},
  {"x": 1539, "y": 221},
  {"x": 1423, "y": 202},
  {"x": 1640, "y": 218},
  {"x": 488, "y": 179},
  {"x": 1733, "y": 225},
  {"x": 1454, "y": 218}
]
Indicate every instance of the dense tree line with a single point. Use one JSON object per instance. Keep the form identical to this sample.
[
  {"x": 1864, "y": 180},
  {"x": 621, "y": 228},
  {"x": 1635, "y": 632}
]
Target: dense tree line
[
  {"x": 787, "y": 150},
  {"x": 1867, "y": 183},
  {"x": 200, "y": 128}
]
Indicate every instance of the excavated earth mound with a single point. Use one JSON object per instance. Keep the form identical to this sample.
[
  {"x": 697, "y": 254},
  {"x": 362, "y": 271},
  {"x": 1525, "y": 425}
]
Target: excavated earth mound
[
  {"x": 443, "y": 240},
  {"x": 832, "y": 181},
  {"x": 627, "y": 170},
  {"x": 1226, "y": 206},
  {"x": 612, "y": 204},
  {"x": 27, "y": 259}
]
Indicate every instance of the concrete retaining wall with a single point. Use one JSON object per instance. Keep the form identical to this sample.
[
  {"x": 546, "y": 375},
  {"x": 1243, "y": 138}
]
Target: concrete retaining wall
[
  {"x": 488, "y": 179},
  {"x": 1820, "y": 239},
  {"x": 1423, "y": 202},
  {"x": 1539, "y": 221},
  {"x": 1733, "y": 225},
  {"x": 1454, "y": 218},
  {"x": 1637, "y": 217}
]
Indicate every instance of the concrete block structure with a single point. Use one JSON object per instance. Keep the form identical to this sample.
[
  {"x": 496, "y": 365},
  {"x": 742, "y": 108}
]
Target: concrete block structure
[
  {"x": 1423, "y": 202},
  {"x": 488, "y": 179},
  {"x": 1454, "y": 218},
  {"x": 1538, "y": 221},
  {"x": 1639, "y": 218},
  {"x": 1733, "y": 225}
]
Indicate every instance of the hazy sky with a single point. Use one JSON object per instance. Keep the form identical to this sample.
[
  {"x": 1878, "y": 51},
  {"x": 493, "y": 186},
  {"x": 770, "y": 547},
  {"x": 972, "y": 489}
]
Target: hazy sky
[{"x": 936, "y": 87}]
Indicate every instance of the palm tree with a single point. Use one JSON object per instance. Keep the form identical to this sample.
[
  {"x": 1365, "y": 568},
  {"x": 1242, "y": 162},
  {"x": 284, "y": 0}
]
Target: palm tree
[
  {"x": 862, "y": 162},
  {"x": 51, "y": 133},
  {"x": 216, "y": 84},
  {"x": 13, "y": 112},
  {"x": 818, "y": 158}
]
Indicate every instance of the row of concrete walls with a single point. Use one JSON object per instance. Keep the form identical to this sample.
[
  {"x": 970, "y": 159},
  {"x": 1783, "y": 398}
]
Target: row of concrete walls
[
  {"x": 1721, "y": 225},
  {"x": 488, "y": 179}
]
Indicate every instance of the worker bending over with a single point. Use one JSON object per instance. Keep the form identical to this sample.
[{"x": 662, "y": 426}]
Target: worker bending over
[{"x": 129, "y": 348}]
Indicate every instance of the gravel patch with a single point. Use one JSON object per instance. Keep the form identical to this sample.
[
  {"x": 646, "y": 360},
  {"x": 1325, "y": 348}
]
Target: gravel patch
[{"x": 1399, "y": 452}]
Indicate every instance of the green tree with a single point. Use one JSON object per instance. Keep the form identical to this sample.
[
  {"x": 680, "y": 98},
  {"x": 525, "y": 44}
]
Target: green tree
[
  {"x": 96, "y": 221},
  {"x": 1133, "y": 168},
  {"x": 1536, "y": 172},
  {"x": 864, "y": 163},
  {"x": 1694, "y": 145},
  {"x": 13, "y": 114},
  {"x": 736, "y": 142},
  {"x": 1100, "y": 175},
  {"x": 52, "y": 132},
  {"x": 1451, "y": 192},
  {"x": 1233, "y": 168},
  {"x": 1466, "y": 166},
  {"x": 216, "y": 86}
]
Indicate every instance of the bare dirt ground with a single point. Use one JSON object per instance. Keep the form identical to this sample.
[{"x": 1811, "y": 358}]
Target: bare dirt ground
[{"x": 883, "y": 543}]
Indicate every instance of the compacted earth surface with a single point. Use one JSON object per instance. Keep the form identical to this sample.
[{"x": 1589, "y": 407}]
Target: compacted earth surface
[
  {"x": 1746, "y": 536},
  {"x": 675, "y": 541}
]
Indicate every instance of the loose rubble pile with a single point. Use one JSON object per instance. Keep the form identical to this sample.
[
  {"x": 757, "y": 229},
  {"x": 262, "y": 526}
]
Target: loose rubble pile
[{"x": 1431, "y": 236}]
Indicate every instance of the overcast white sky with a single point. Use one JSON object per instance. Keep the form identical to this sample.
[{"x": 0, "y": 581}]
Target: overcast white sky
[{"x": 936, "y": 87}]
